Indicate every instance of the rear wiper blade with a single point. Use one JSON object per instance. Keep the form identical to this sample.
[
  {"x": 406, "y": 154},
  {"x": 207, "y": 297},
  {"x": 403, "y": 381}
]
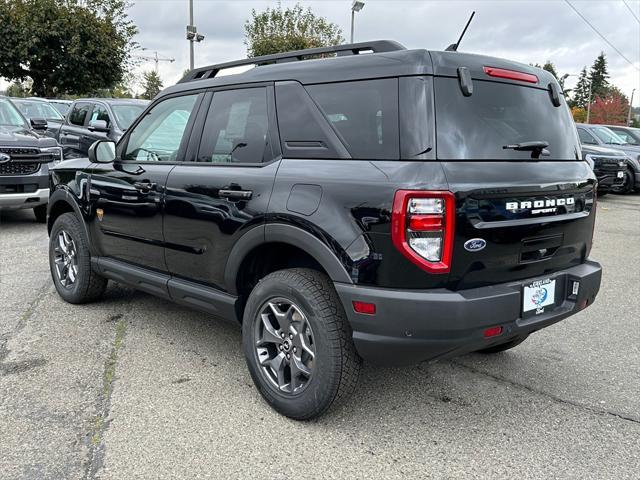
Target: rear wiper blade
[{"x": 537, "y": 148}]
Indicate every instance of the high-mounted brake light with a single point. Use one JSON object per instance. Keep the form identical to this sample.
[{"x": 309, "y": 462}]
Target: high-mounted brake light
[
  {"x": 511, "y": 74},
  {"x": 422, "y": 228}
]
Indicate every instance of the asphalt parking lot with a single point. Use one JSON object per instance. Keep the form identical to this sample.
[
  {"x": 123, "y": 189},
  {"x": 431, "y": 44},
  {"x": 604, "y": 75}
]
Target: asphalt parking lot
[{"x": 135, "y": 387}]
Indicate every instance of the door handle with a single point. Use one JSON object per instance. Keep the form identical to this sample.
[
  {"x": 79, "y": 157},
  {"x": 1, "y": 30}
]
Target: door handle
[
  {"x": 145, "y": 186},
  {"x": 235, "y": 194}
]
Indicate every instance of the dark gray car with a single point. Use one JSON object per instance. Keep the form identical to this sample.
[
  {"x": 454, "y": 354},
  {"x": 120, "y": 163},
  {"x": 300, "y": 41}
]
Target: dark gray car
[
  {"x": 94, "y": 119},
  {"x": 602, "y": 136},
  {"x": 36, "y": 108}
]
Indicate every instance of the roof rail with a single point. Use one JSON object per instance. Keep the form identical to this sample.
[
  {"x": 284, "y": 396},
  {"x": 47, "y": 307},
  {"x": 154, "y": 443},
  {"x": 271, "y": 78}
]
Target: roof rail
[{"x": 377, "y": 46}]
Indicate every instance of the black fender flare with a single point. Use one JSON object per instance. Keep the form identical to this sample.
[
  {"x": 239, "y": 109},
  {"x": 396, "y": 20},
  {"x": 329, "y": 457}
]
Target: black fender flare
[
  {"x": 61, "y": 195},
  {"x": 283, "y": 233}
]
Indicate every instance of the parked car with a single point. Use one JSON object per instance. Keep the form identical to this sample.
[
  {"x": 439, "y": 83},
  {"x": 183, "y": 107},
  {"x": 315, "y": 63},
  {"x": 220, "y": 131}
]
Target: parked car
[
  {"x": 609, "y": 166},
  {"x": 41, "y": 108},
  {"x": 395, "y": 206},
  {"x": 600, "y": 135},
  {"x": 62, "y": 106},
  {"x": 25, "y": 156},
  {"x": 94, "y": 119}
]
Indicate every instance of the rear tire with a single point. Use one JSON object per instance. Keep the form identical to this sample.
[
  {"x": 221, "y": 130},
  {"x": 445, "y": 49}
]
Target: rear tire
[
  {"x": 314, "y": 366},
  {"x": 504, "y": 346},
  {"x": 70, "y": 262},
  {"x": 41, "y": 213}
]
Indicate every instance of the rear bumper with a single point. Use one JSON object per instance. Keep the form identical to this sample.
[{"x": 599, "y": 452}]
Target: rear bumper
[
  {"x": 24, "y": 200},
  {"x": 414, "y": 326}
]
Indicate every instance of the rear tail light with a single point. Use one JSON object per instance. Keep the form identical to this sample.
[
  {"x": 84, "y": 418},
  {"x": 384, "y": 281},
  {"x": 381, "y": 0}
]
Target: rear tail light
[
  {"x": 510, "y": 74},
  {"x": 423, "y": 227}
]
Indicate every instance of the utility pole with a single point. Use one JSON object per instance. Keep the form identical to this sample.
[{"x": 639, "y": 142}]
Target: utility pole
[
  {"x": 192, "y": 35},
  {"x": 630, "y": 107},
  {"x": 589, "y": 104}
]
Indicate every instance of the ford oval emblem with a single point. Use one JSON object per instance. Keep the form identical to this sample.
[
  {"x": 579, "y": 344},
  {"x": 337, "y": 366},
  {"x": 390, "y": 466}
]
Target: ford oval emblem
[
  {"x": 4, "y": 158},
  {"x": 475, "y": 244}
]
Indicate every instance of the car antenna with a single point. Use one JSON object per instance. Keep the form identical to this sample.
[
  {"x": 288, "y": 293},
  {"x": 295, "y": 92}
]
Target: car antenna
[{"x": 454, "y": 46}]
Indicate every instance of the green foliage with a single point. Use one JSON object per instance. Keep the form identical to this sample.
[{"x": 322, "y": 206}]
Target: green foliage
[
  {"x": 281, "y": 30},
  {"x": 581, "y": 91},
  {"x": 151, "y": 83},
  {"x": 18, "y": 89},
  {"x": 599, "y": 77},
  {"x": 65, "y": 46}
]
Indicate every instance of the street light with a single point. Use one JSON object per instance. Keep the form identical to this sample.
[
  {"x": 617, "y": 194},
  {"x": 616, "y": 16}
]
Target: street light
[
  {"x": 192, "y": 34},
  {"x": 356, "y": 6}
]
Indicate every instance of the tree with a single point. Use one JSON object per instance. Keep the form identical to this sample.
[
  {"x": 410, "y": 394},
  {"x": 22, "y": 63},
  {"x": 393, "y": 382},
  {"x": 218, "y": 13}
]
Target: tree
[
  {"x": 599, "y": 77},
  {"x": 151, "y": 83},
  {"x": 281, "y": 30},
  {"x": 18, "y": 89},
  {"x": 581, "y": 91},
  {"x": 610, "y": 110},
  {"x": 65, "y": 46},
  {"x": 579, "y": 114}
]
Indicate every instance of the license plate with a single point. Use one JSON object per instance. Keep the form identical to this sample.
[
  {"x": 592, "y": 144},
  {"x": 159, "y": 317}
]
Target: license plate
[
  {"x": 539, "y": 296},
  {"x": 620, "y": 174}
]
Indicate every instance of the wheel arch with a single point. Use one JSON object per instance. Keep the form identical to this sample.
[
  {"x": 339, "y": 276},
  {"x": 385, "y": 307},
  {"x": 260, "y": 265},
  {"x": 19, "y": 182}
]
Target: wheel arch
[{"x": 61, "y": 202}]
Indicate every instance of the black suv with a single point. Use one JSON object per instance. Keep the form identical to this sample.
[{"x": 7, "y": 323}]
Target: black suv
[
  {"x": 94, "y": 119},
  {"x": 25, "y": 155},
  {"x": 394, "y": 206}
]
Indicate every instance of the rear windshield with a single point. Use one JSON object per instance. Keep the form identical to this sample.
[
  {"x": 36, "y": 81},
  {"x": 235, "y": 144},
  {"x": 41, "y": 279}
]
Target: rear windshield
[{"x": 498, "y": 114}]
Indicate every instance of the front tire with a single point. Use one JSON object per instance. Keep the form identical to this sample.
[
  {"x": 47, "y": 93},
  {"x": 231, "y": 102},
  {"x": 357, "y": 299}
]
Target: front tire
[
  {"x": 70, "y": 262},
  {"x": 297, "y": 343}
]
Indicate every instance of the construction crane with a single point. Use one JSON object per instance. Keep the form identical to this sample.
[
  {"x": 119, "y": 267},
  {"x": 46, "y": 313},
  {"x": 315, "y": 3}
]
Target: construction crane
[{"x": 155, "y": 58}]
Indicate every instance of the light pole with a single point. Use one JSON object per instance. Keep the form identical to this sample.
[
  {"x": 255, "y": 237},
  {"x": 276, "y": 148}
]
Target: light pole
[
  {"x": 356, "y": 6},
  {"x": 192, "y": 35},
  {"x": 630, "y": 107},
  {"x": 589, "y": 104}
]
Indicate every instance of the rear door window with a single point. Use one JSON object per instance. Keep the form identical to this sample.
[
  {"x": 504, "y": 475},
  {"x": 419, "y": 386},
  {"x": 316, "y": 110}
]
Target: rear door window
[
  {"x": 78, "y": 114},
  {"x": 237, "y": 128},
  {"x": 364, "y": 114},
  {"x": 499, "y": 114}
]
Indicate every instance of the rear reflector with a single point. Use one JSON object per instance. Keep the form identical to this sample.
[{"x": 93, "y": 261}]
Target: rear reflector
[
  {"x": 364, "y": 307},
  {"x": 492, "y": 332},
  {"x": 510, "y": 74},
  {"x": 425, "y": 222}
]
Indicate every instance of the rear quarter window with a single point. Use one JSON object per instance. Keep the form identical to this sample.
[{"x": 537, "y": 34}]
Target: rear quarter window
[{"x": 364, "y": 114}]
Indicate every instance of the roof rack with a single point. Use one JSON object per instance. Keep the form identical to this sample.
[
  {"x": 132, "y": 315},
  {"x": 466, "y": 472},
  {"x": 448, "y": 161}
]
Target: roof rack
[{"x": 377, "y": 46}]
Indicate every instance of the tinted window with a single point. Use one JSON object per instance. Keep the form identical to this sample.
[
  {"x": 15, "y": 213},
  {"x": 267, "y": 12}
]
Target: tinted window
[
  {"x": 499, "y": 114},
  {"x": 100, "y": 113},
  {"x": 586, "y": 137},
  {"x": 79, "y": 113},
  {"x": 157, "y": 137},
  {"x": 9, "y": 115},
  {"x": 63, "y": 108},
  {"x": 237, "y": 128},
  {"x": 365, "y": 115},
  {"x": 126, "y": 114}
]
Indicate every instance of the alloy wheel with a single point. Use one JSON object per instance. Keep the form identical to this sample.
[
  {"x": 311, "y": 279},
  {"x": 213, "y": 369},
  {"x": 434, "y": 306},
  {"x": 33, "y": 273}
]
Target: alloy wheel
[
  {"x": 66, "y": 259},
  {"x": 284, "y": 345}
]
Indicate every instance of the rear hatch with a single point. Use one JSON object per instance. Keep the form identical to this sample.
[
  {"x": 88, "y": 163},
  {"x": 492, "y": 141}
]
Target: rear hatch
[{"x": 524, "y": 208}]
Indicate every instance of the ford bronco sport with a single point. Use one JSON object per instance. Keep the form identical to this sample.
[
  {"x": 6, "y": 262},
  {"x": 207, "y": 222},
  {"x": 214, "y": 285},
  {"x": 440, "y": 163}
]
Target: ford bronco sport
[{"x": 383, "y": 204}]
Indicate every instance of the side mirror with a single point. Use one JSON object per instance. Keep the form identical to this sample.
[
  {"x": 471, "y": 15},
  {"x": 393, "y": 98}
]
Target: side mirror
[
  {"x": 98, "y": 126},
  {"x": 38, "y": 123},
  {"x": 102, "y": 151}
]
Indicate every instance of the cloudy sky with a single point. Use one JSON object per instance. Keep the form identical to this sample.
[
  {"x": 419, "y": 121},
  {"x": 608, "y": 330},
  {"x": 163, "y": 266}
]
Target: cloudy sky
[{"x": 527, "y": 31}]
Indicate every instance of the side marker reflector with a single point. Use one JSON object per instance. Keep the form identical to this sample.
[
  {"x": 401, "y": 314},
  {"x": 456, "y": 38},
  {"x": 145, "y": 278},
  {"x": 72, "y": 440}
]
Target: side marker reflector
[
  {"x": 364, "y": 307},
  {"x": 492, "y": 332}
]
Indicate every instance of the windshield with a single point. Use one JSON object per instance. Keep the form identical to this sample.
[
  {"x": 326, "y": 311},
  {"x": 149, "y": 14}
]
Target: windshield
[
  {"x": 500, "y": 114},
  {"x": 126, "y": 114},
  {"x": 10, "y": 116},
  {"x": 607, "y": 136},
  {"x": 38, "y": 109}
]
